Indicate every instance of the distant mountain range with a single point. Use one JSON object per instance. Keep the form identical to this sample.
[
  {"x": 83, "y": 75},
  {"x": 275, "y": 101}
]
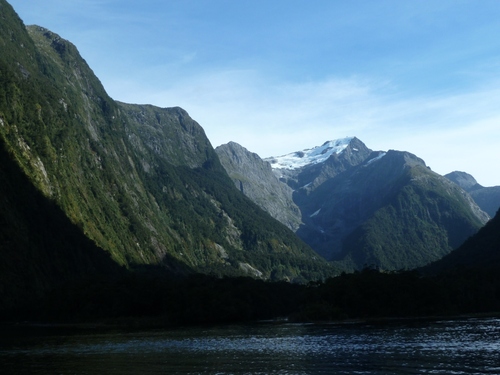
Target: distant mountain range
[{"x": 360, "y": 207}]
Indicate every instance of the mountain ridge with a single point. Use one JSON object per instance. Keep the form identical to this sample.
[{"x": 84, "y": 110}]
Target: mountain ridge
[{"x": 346, "y": 196}]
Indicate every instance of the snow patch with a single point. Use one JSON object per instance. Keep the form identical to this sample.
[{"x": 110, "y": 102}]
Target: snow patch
[
  {"x": 380, "y": 156},
  {"x": 315, "y": 214},
  {"x": 315, "y": 155}
]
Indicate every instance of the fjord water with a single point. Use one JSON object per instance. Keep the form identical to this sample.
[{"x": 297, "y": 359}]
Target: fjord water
[{"x": 468, "y": 346}]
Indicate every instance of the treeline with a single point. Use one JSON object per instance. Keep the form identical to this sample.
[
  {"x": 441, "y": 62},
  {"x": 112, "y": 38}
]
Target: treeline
[
  {"x": 147, "y": 297},
  {"x": 152, "y": 299},
  {"x": 373, "y": 294}
]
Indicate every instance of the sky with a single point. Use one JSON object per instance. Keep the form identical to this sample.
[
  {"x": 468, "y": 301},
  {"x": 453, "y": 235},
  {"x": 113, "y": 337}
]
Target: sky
[{"x": 278, "y": 76}]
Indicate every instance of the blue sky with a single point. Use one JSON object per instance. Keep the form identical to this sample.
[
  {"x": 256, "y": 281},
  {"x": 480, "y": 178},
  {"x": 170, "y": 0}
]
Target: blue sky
[{"x": 279, "y": 76}]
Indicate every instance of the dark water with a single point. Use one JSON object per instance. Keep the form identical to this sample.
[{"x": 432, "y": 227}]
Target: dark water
[{"x": 469, "y": 346}]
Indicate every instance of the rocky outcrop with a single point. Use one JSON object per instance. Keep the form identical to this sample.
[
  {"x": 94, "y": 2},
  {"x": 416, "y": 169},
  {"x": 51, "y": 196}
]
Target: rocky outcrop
[
  {"x": 464, "y": 180},
  {"x": 170, "y": 133}
]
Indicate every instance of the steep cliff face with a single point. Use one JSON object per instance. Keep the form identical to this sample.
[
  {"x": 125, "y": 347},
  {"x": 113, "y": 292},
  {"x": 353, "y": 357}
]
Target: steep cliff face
[
  {"x": 255, "y": 178},
  {"x": 142, "y": 183},
  {"x": 488, "y": 198}
]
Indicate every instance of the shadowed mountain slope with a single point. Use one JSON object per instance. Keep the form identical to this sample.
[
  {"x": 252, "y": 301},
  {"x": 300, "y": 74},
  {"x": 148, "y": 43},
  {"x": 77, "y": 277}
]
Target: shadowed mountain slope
[
  {"x": 41, "y": 249},
  {"x": 480, "y": 251}
]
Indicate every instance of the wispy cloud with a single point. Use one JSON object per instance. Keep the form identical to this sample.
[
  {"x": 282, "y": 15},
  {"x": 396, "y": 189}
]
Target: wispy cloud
[
  {"x": 239, "y": 105},
  {"x": 277, "y": 118}
]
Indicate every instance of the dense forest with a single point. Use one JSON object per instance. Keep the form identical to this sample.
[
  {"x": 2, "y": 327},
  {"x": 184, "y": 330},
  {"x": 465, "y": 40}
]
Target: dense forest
[
  {"x": 466, "y": 283},
  {"x": 148, "y": 299}
]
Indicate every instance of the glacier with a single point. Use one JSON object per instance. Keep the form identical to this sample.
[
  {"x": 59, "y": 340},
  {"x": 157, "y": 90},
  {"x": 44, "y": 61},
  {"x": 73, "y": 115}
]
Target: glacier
[{"x": 315, "y": 155}]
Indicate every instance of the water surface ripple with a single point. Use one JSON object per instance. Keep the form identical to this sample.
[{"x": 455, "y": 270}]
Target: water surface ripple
[{"x": 468, "y": 346}]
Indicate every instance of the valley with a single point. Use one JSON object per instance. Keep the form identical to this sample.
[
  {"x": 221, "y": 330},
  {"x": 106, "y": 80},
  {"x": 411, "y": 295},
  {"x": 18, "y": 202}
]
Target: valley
[{"x": 125, "y": 214}]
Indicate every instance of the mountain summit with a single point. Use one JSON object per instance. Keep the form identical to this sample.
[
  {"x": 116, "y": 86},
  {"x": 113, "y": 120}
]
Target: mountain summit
[
  {"x": 305, "y": 170},
  {"x": 315, "y": 155}
]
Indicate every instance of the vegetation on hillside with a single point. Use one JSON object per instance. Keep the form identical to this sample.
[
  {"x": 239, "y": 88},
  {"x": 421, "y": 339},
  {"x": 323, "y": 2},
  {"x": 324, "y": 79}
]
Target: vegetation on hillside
[
  {"x": 40, "y": 248},
  {"x": 393, "y": 213},
  {"x": 422, "y": 221},
  {"x": 140, "y": 184}
]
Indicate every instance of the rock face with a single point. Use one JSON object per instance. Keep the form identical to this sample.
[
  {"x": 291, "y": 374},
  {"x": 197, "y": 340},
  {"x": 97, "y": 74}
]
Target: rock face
[
  {"x": 370, "y": 208},
  {"x": 254, "y": 177},
  {"x": 488, "y": 198}
]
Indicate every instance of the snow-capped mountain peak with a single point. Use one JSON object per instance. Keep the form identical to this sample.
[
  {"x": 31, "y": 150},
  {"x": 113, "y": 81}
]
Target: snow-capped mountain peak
[{"x": 315, "y": 155}]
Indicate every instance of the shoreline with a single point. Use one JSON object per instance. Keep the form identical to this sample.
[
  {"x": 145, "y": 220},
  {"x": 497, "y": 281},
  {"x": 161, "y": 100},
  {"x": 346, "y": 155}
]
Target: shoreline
[{"x": 157, "y": 324}]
